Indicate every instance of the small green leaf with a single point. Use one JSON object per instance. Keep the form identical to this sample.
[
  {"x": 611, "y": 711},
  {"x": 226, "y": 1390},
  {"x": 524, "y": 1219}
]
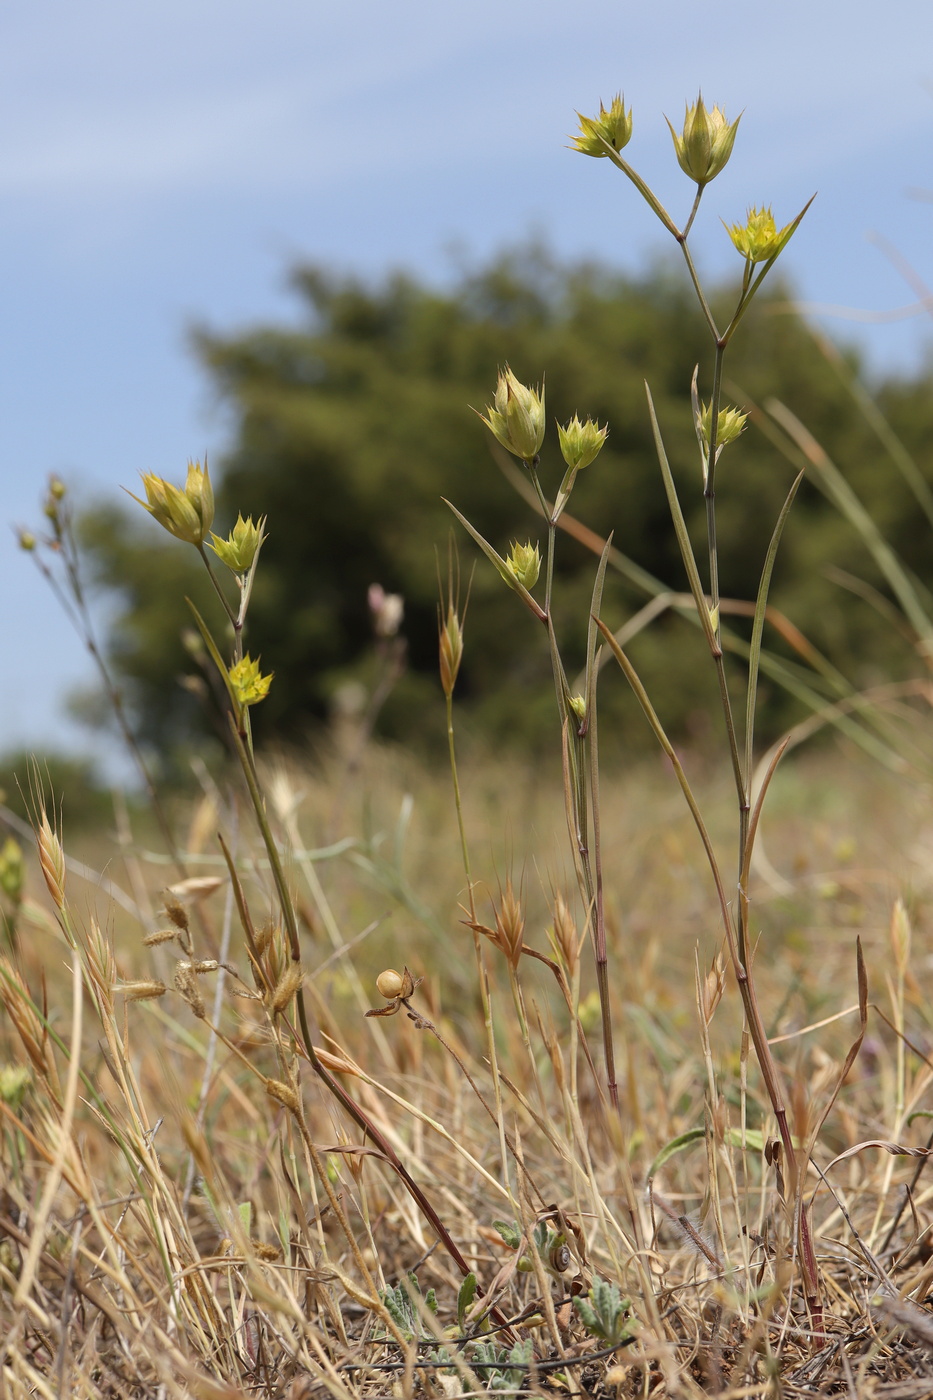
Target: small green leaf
[
  {"x": 465, "y": 1299},
  {"x": 677, "y": 1144},
  {"x": 511, "y": 1234},
  {"x": 605, "y": 1313}
]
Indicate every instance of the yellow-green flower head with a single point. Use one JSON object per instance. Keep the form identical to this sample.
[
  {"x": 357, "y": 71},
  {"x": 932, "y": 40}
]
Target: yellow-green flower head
[
  {"x": 12, "y": 870},
  {"x": 730, "y": 423},
  {"x": 524, "y": 564},
  {"x": 613, "y": 127},
  {"x": 577, "y": 704},
  {"x": 581, "y": 443},
  {"x": 53, "y": 499},
  {"x": 516, "y": 417},
  {"x": 14, "y": 1082},
  {"x": 185, "y": 514},
  {"x": 200, "y": 493},
  {"x": 706, "y": 143},
  {"x": 238, "y": 550},
  {"x": 759, "y": 239},
  {"x": 248, "y": 684}
]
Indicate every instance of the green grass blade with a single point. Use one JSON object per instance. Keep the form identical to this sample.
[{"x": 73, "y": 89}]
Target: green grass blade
[
  {"x": 680, "y": 529},
  {"x": 754, "y": 1142},
  {"x": 879, "y": 425},
  {"x": 214, "y": 653},
  {"x": 778, "y": 670},
  {"x": 835, "y": 487}
]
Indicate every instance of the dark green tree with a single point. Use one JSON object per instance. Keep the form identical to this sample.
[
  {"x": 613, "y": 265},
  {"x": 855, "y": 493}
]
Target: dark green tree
[{"x": 349, "y": 429}]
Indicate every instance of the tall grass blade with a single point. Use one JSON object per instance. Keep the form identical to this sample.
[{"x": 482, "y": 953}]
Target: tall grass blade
[
  {"x": 680, "y": 530},
  {"x": 837, "y": 489}
]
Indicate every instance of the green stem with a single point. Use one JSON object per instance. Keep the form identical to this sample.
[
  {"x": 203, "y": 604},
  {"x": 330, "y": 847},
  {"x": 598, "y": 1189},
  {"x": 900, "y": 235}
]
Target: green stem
[
  {"x": 693, "y": 213},
  {"x": 458, "y": 801},
  {"x": 694, "y": 278},
  {"x": 580, "y": 799},
  {"x": 709, "y": 493},
  {"x": 599, "y": 917},
  {"x": 481, "y": 970},
  {"x": 236, "y": 622},
  {"x": 576, "y": 769},
  {"x": 77, "y": 612},
  {"x": 643, "y": 189}
]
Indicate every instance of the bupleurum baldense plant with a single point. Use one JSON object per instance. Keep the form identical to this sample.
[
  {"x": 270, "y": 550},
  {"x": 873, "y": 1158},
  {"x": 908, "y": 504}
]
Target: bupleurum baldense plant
[{"x": 240, "y": 1177}]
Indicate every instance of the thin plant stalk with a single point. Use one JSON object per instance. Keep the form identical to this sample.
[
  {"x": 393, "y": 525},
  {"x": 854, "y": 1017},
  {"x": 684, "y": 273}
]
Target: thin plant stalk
[
  {"x": 450, "y": 647},
  {"x": 743, "y": 974},
  {"x": 362, "y": 1119},
  {"x": 578, "y": 773},
  {"x": 73, "y": 601}
]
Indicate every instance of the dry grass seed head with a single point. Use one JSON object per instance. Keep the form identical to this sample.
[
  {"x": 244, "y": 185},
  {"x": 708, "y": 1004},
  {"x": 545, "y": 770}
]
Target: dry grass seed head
[
  {"x": 141, "y": 990},
  {"x": 264, "y": 937},
  {"x": 282, "y": 1093},
  {"x": 186, "y": 984},
  {"x": 286, "y": 988},
  {"x": 564, "y": 938},
  {"x": 101, "y": 963},
  {"x": 510, "y": 925},
  {"x": 194, "y": 889},
  {"x": 30, "y": 1026},
  {"x": 162, "y": 935},
  {"x": 175, "y": 911},
  {"x": 51, "y": 859},
  {"x": 712, "y": 988},
  {"x": 900, "y": 936}
]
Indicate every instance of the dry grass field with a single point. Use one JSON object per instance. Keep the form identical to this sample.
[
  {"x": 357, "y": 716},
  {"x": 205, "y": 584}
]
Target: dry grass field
[
  {"x": 560, "y": 1075},
  {"x": 176, "y": 1223}
]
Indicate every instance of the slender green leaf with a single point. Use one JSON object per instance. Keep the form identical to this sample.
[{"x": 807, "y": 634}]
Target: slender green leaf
[
  {"x": 501, "y": 567},
  {"x": 776, "y": 668},
  {"x": 879, "y": 425},
  {"x": 834, "y": 485},
  {"x": 644, "y": 190},
  {"x": 215, "y": 655},
  {"x": 752, "y": 1141},
  {"x": 680, "y": 529}
]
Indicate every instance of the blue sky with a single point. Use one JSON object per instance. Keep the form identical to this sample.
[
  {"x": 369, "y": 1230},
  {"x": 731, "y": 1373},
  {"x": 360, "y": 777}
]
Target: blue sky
[{"x": 163, "y": 165}]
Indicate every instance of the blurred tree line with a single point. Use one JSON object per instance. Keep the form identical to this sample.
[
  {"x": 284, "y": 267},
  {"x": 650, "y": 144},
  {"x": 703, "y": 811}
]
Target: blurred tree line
[{"x": 349, "y": 429}]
